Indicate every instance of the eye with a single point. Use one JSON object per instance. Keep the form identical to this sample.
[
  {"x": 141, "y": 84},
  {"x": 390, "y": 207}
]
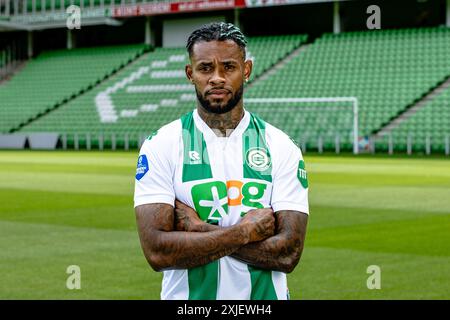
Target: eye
[
  {"x": 205, "y": 68},
  {"x": 229, "y": 67}
]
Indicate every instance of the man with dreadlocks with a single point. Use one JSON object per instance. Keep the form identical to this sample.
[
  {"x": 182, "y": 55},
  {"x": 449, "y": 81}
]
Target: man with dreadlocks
[{"x": 221, "y": 196}]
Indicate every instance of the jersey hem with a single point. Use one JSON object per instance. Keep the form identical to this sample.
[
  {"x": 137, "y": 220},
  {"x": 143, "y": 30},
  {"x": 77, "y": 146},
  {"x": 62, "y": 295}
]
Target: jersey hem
[
  {"x": 286, "y": 205},
  {"x": 155, "y": 199}
]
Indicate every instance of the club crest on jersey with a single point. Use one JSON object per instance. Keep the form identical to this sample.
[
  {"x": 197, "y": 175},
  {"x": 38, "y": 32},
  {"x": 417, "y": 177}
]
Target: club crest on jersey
[
  {"x": 142, "y": 167},
  {"x": 258, "y": 159}
]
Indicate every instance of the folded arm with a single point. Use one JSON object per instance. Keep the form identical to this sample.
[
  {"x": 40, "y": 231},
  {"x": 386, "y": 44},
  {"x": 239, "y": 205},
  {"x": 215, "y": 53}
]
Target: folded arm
[
  {"x": 281, "y": 252},
  {"x": 166, "y": 248}
]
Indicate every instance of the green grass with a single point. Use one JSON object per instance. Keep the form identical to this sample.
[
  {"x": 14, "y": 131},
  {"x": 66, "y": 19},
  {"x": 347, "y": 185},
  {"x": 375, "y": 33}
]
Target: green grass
[{"x": 76, "y": 208}]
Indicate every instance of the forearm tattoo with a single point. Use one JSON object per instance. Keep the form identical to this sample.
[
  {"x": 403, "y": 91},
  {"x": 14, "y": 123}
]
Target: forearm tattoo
[
  {"x": 282, "y": 251},
  {"x": 168, "y": 249}
]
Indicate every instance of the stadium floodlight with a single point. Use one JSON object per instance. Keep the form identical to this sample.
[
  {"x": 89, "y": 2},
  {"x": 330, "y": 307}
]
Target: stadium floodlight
[{"x": 332, "y": 100}]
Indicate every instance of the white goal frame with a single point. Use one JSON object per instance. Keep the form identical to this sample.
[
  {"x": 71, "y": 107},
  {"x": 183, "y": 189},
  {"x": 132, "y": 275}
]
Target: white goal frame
[{"x": 353, "y": 100}]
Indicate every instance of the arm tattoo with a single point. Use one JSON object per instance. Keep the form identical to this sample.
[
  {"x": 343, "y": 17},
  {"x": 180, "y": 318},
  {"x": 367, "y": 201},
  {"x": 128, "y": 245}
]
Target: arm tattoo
[
  {"x": 281, "y": 252},
  {"x": 167, "y": 249}
]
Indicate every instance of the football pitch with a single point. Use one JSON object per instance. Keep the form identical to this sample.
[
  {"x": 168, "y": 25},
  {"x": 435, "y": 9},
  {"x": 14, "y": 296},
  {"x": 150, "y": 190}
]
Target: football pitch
[{"x": 76, "y": 208}]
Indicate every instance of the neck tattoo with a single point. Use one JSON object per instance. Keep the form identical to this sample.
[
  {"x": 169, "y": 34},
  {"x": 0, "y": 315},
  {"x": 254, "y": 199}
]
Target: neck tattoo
[{"x": 222, "y": 124}]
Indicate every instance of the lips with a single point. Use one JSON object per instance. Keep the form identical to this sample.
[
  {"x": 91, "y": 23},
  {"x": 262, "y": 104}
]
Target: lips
[{"x": 217, "y": 92}]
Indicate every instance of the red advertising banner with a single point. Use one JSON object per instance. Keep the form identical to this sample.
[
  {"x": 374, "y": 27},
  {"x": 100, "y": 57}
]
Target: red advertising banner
[{"x": 149, "y": 9}]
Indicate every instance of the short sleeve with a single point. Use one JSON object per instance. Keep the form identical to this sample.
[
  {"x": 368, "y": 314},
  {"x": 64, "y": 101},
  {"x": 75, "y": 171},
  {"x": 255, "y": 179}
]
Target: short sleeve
[
  {"x": 290, "y": 182},
  {"x": 154, "y": 172}
]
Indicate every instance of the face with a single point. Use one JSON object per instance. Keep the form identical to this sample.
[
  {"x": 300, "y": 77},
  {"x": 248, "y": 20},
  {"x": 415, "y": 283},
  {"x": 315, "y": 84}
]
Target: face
[{"x": 218, "y": 70}]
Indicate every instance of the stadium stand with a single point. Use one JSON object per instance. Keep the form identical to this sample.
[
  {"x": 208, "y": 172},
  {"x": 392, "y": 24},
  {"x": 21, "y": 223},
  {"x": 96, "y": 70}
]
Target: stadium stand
[
  {"x": 387, "y": 70},
  {"x": 55, "y": 77},
  {"x": 431, "y": 122},
  {"x": 145, "y": 95}
]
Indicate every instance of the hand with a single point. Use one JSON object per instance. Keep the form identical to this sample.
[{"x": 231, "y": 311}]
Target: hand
[
  {"x": 260, "y": 223},
  {"x": 186, "y": 218}
]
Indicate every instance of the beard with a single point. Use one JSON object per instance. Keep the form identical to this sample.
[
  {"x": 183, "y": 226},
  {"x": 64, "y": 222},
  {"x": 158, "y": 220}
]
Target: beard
[{"x": 219, "y": 109}]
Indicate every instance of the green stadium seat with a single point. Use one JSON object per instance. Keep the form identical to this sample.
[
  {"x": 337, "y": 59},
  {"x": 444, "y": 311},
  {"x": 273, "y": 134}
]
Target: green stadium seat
[{"x": 56, "y": 76}]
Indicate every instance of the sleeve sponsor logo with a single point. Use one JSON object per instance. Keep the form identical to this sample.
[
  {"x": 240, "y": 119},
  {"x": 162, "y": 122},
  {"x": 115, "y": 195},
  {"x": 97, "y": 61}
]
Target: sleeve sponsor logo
[
  {"x": 302, "y": 175},
  {"x": 142, "y": 167}
]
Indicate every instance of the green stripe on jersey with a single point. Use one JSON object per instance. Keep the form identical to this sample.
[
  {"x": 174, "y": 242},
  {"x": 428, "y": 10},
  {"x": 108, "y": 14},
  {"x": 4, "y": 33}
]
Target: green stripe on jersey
[
  {"x": 262, "y": 284},
  {"x": 255, "y": 153},
  {"x": 196, "y": 165},
  {"x": 203, "y": 281}
]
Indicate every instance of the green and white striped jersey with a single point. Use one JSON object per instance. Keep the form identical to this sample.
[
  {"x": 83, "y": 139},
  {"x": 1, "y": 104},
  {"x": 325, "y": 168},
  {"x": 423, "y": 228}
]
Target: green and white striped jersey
[{"x": 257, "y": 166}]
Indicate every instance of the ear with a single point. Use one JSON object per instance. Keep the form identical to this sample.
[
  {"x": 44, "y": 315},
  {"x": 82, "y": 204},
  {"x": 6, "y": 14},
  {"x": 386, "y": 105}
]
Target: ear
[
  {"x": 188, "y": 70},
  {"x": 248, "y": 66}
]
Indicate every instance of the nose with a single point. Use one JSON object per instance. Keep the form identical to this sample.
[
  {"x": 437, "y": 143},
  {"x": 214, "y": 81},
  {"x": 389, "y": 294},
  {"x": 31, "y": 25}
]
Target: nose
[{"x": 217, "y": 78}]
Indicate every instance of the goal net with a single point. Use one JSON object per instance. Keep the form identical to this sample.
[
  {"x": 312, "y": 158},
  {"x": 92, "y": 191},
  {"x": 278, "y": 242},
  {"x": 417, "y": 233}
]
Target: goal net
[{"x": 316, "y": 123}]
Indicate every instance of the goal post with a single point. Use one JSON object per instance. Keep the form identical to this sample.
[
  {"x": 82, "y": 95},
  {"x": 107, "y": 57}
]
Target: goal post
[{"x": 353, "y": 101}]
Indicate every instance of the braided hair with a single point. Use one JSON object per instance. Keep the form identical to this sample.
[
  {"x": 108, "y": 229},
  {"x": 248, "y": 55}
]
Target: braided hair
[{"x": 219, "y": 31}]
